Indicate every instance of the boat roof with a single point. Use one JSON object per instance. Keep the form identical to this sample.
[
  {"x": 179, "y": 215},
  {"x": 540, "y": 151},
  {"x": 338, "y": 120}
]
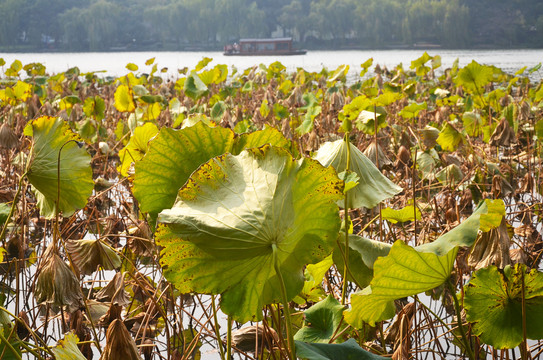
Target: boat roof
[{"x": 266, "y": 40}]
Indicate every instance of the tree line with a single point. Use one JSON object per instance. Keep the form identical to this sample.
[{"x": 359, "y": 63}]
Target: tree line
[{"x": 94, "y": 25}]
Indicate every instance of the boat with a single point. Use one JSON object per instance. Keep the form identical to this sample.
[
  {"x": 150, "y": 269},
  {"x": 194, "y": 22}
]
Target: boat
[{"x": 262, "y": 47}]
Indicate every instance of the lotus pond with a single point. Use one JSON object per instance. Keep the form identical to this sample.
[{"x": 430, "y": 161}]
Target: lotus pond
[{"x": 267, "y": 214}]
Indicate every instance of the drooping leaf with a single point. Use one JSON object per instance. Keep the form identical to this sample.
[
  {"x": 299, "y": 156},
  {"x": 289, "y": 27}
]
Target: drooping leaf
[
  {"x": 137, "y": 147},
  {"x": 493, "y": 302},
  {"x": 321, "y": 321},
  {"x": 119, "y": 343},
  {"x": 373, "y": 186},
  {"x": 349, "y": 350},
  {"x": 247, "y": 215},
  {"x": 472, "y": 123},
  {"x": 67, "y": 349},
  {"x": 487, "y": 216},
  {"x": 51, "y": 136},
  {"x": 408, "y": 213}
]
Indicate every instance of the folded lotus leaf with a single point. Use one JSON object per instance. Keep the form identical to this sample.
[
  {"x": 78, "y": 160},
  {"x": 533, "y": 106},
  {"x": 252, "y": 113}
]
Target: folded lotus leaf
[
  {"x": 119, "y": 343},
  {"x": 373, "y": 187},
  {"x": 114, "y": 291},
  {"x": 56, "y": 284},
  {"x": 87, "y": 255}
]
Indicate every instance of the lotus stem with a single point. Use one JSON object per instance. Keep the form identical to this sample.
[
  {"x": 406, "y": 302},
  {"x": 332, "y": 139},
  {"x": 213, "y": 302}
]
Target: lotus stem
[
  {"x": 467, "y": 344},
  {"x": 291, "y": 347},
  {"x": 216, "y": 327},
  {"x": 346, "y": 219},
  {"x": 229, "y": 339}
]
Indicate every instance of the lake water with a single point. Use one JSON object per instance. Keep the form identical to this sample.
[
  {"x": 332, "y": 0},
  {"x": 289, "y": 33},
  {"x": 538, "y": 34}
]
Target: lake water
[{"x": 114, "y": 63}]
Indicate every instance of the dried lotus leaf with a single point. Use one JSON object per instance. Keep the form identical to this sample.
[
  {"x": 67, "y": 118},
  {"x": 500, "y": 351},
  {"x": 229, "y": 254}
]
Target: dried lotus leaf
[
  {"x": 245, "y": 338},
  {"x": 119, "y": 343},
  {"x": 114, "y": 291},
  {"x": 56, "y": 284},
  {"x": 87, "y": 255},
  {"x": 491, "y": 248}
]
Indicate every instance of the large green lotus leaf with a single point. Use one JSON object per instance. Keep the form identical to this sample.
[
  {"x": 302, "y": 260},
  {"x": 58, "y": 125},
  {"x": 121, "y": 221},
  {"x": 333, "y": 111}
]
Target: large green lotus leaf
[
  {"x": 239, "y": 217},
  {"x": 172, "y": 156},
  {"x": 136, "y": 147},
  {"x": 321, "y": 321},
  {"x": 403, "y": 272},
  {"x": 67, "y": 348},
  {"x": 76, "y": 185},
  {"x": 373, "y": 186},
  {"x": 487, "y": 216},
  {"x": 493, "y": 301},
  {"x": 349, "y": 350}
]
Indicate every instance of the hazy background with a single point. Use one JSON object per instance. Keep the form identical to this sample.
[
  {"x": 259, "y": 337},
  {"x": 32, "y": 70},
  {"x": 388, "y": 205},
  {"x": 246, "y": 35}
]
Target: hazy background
[{"x": 143, "y": 25}]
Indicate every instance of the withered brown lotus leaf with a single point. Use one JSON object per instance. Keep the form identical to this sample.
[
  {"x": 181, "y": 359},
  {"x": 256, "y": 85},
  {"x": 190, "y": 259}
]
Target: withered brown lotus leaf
[
  {"x": 56, "y": 283},
  {"x": 377, "y": 156},
  {"x": 491, "y": 248},
  {"x": 114, "y": 291},
  {"x": 245, "y": 338},
  {"x": 503, "y": 135},
  {"x": 8, "y": 139},
  {"x": 87, "y": 255},
  {"x": 113, "y": 313},
  {"x": 119, "y": 344},
  {"x": 429, "y": 136}
]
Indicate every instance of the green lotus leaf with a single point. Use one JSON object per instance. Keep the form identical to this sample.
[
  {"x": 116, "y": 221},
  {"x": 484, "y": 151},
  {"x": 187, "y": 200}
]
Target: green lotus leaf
[
  {"x": 173, "y": 155},
  {"x": 67, "y": 348},
  {"x": 493, "y": 302},
  {"x": 487, "y": 216},
  {"x": 14, "y": 343},
  {"x": 369, "y": 250},
  {"x": 412, "y": 110},
  {"x": 349, "y": 350},
  {"x": 136, "y": 147},
  {"x": 258, "y": 138},
  {"x": 239, "y": 218},
  {"x": 449, "y": 138},
  {"x": 194, "y": 86},
  {"x": 359, "y": 272},
  {"x": 474, "y": 77},
  {"x": 314, "y": 274},
  {"x": 408, "y": 213},
  {"x": 373, "y": 186},
  {"x": 322, "y": 320},
  {"x": 50, "y": 135},
  {"x": 403, "y": 272}
]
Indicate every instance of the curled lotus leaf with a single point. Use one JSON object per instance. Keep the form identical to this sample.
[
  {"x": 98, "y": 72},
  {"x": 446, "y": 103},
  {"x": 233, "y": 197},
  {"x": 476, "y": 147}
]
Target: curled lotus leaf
[
  {"x": 373, "y": 187},
  {"x": 51, "y": 136},
  {"x": 239, "y": 218}
]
